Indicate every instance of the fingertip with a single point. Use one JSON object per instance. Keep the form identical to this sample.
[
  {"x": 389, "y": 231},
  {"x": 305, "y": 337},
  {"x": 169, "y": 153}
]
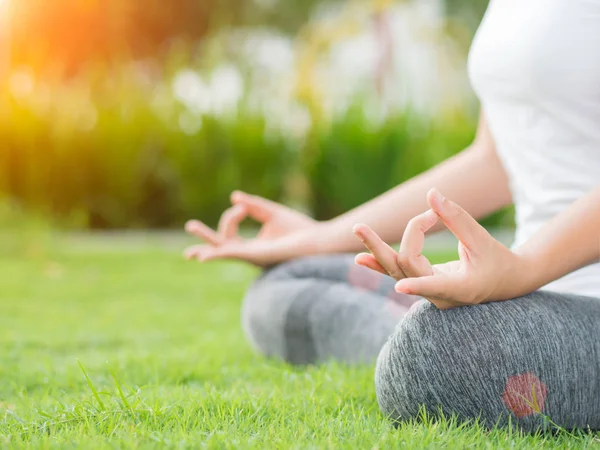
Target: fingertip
[
  {"x": 191, "y": 225},
  {"x": 240, "y": 196},
  {"x": 360, "y": 258},
  {"x": 430, "y": 195},
  {"x": 402, "y": 288},
  {"x": 189, "y": 255},
  {"x": 240, "y": 209},
  {"x": 359, "y": 229},
  {"x": 435, "y": 199},
  {"x": 237, "y": 196}
]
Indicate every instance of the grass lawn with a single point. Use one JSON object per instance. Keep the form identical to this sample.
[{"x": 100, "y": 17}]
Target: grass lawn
[{"x": 168, "y": 365}]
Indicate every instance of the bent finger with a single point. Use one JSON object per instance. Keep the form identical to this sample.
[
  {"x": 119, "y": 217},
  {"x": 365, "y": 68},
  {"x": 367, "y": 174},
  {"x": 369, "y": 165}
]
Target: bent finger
[
  {"x": 370, "y": 262},
  {"x": 230, "y": 222},
  {"x": 258, "y": 208},
  {"x": 383, "y": 253},
  {"x": 200, "y": 230},
  {"x": 459, "y": 222},
  {"x": 412, "y": 262},
  {"x": 194, "y": 252}
]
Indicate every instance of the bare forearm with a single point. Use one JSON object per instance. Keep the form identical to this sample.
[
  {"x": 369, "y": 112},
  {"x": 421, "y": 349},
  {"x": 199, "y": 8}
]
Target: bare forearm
[
  {"x": 568, "y": 242},
  {"x": 474, "y": 177}
]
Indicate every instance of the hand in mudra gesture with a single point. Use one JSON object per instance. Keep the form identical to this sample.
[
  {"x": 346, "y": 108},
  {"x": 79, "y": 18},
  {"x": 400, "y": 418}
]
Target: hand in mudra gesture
[
  {"x": 274, "y": 243},
  {"x": 482, "y": 274}
]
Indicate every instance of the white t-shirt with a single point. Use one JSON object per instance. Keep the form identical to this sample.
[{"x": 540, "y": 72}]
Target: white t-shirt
[{"x": 535, "y": 66}]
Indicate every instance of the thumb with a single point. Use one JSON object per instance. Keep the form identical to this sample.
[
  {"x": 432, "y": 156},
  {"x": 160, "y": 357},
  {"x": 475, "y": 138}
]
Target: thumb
[
  {"x": 206, "y": 253},
  {"x": 251, "y": 251},
  {"x": 441, "y": 290},
  {"x": 459, "y": 222},
  {"x": 428, "y": 287},
  {"x": 258, "y": 208}
]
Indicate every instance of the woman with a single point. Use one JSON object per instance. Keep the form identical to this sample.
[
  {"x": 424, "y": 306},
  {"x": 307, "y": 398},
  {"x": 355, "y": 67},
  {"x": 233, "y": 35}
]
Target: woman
[{"x": 530, "y": 361}]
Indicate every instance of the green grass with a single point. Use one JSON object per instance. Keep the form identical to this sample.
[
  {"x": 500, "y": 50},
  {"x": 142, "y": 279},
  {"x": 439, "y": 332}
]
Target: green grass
[{"x": 113, "y": 346}]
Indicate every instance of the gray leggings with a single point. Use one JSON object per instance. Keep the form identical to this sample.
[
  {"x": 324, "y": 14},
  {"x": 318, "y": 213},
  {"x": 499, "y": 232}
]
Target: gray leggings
[{"x": 533, "y": 362}]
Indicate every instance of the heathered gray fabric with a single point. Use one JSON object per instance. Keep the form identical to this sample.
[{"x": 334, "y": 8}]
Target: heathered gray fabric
[
  {"x": 527, "y": 362},
  {"x": 321, "y": 308},
  {"x": 488, "y": 360}
]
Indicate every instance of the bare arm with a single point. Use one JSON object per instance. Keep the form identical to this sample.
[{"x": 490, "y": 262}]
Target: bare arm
[
  {"x": 568, "y": 242},
  {"x": 475, "y": 178}
]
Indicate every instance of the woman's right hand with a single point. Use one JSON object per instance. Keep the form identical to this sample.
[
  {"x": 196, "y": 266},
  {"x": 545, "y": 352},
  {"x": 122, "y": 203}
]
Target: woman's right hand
[{"x": 280, "y": 238}]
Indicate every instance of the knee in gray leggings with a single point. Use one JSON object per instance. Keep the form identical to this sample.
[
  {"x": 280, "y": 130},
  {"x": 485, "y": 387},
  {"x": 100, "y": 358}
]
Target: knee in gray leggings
[
  {"x": 265, "y": 311},
  {"x": 518, "y": 362},
  {"x": 310, "y": 310},
  {"x": 276, "y": 313}
]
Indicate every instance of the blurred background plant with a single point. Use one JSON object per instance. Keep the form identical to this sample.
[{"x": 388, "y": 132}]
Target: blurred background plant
[{"x": 138, "y": 114}]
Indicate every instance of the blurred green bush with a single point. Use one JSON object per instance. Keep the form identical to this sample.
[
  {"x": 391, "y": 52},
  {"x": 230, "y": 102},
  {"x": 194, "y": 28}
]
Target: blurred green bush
[
  {"x": 113, "y": 162},
  {"x": 120, "y": 157},
  {"x": 109, "y": 146},
  {"x": 358, "y": 158}
]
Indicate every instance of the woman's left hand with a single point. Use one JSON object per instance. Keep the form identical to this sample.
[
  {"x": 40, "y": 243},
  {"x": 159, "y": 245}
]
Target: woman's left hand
[{"x": 486, "y": 271}]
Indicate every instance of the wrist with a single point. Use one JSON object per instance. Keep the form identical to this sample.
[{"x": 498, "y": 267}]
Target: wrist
[
  {"x": 326, "y": 237},
  {"x": 323, "y": 237},
  {"x": 309, "y": 240},
  {"x": 517, "y": 275},
  {"x": 527, "y": 271}
]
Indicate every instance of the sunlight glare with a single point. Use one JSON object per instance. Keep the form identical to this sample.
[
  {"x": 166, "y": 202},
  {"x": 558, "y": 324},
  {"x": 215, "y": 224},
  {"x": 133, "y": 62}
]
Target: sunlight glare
[{"x": 3, "y": 8}]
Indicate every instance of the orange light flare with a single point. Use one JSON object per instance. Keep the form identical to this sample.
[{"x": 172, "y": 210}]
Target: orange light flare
[
  {"x": 4, "y": 10},
  {"x": 5, "y": 39},
  {"x": 5, "y": 35},
  {"x": 4, "y": 19}
]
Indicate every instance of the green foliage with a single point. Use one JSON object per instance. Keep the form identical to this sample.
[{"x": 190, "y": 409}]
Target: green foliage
[
  {"x": 240, "y": 154},
  {"x": 468, "y": 12},
  {"x": 357, "y": 158},
  {"x": 113, "y": 162},
  {"x": 107, "y": 146}
]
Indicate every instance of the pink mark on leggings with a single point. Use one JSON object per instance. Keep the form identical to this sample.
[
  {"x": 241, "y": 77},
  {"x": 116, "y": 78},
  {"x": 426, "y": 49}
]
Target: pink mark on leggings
[
  {"x": 363, "y": 278},
  {"x": 525, "y": 394},
  {"x": 401, "y": 305}
]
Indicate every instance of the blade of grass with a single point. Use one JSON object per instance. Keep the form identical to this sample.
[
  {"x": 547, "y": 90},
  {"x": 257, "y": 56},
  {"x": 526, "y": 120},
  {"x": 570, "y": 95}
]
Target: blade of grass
[
  {"x": 91, "y": 385},
  {"x": 120, "y": 391}
]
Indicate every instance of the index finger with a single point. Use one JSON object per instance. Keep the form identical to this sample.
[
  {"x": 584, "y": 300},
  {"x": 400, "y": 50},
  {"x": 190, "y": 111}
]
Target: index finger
[
  {"x": 386, "y": 256},
  {"x": 459, "y": 222},
  {"x": 198, "y": 229},
  {"x": 230, "y": 221},
  {"x": 412, "y": 262}
]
